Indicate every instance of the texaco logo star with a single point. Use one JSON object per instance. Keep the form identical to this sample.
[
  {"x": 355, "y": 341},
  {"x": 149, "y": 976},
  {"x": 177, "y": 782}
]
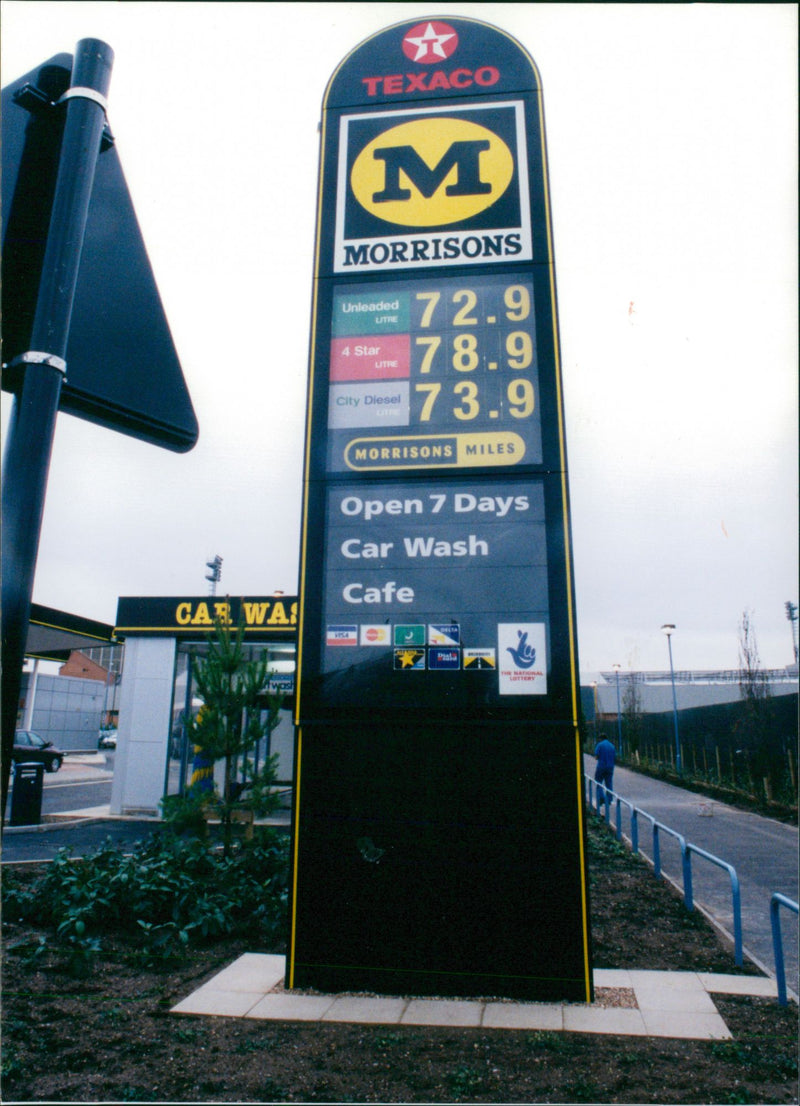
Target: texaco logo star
[{"x": 430, "y": 42}]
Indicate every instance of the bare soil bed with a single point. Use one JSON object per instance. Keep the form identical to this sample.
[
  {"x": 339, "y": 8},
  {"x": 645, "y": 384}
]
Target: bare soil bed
[{"x": 110, "y": 1037}]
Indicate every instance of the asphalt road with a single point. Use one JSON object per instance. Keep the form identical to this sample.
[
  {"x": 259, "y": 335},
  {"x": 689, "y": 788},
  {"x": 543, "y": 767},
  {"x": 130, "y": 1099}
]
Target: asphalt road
[
  {"x": 763, "y": 851},
  {"x": 82, "y": 785},
  {"x": 62, "y": 795},
  {"x": 81, "y": 837}
]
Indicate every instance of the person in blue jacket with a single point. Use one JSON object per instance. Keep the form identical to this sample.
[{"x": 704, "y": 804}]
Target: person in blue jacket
[{"x": 604, "y": 772}]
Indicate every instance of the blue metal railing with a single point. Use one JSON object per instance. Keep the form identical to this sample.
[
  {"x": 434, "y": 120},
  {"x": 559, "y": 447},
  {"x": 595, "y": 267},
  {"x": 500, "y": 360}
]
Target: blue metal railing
[
  {"x": 657, "y": 828},
  {"x": 735, "y": 891},
  {"x": 595, "y": 797},
  {"x": 776, "y": 901},
  {"x": 598, "y": 795}
]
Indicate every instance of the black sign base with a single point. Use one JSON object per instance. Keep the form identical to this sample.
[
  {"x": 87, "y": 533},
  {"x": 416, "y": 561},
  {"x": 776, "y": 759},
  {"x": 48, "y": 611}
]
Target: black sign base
[{"x": 427, "y": 866}]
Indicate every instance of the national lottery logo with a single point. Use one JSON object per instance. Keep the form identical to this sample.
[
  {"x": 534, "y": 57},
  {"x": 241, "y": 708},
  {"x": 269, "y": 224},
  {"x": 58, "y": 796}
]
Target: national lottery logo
[
  {"x": 523, "y": 653},
  {"x": 522, "y": 658}
]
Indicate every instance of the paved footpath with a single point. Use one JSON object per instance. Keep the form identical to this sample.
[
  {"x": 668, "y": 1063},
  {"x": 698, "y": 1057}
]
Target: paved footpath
[{"x": 764, "y": 853}]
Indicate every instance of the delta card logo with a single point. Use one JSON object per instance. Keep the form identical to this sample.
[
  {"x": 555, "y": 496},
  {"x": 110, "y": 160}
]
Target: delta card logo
[
  {"x": 444, "y": 634},
  {"x": 434, "y": 186},
  {"x": 342, "y": 635},
  {"x": 522, "y": 658}
]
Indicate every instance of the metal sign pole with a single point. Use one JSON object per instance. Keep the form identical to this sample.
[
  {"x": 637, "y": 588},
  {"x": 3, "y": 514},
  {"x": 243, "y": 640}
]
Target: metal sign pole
[{"x": 32, "y": 426}]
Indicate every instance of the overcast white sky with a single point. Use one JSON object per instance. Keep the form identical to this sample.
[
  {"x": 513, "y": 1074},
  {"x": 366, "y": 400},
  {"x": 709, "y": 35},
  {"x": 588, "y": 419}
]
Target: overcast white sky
[{"x": 672, "y": 147}]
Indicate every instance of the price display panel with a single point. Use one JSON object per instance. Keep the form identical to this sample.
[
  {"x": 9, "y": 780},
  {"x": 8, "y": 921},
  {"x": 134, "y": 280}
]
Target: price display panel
[{"x": 434, "y": 374}]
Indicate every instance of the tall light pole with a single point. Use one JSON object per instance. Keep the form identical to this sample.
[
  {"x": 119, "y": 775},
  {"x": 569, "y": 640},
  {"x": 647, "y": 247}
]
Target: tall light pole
[
  {"x": 214, "y": 575},
  {"x": 791, "y": 614},
  {"x": 668, "y": 628},
  {"x": 616, "y": 668}
]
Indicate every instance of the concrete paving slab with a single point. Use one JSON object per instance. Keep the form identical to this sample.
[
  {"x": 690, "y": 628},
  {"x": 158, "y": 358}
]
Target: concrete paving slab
[
  {"x": 675, "y": 999},
  {"x": 612, "y": 977},
  {"x": 757, "y": 985},
  {"x": 515, "y": 1015},
  {"x": 431, "y": 1011},
  {"x": 294, "y": 1008},
  {"x": 670, "y": 1004},
  {"x": 101, "y": 811},
  {"x": 364, "y": 1010},
  {"x": 593, "y": 1019},
  {"x": 686, "y": 1026},
  {"x": 213, "y": 1002},
  {"x": 251, "y": 972},
  {"x": 674, "y": 980}
]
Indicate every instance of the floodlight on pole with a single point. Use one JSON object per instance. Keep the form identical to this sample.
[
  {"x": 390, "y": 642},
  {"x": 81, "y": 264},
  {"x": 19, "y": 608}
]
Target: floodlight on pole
[
  {"x": 214, "y": 575},
  {"x": 616, "y": 668},
  {"x": 791, "y": 614},
  {"x": 668, "y": 628}
]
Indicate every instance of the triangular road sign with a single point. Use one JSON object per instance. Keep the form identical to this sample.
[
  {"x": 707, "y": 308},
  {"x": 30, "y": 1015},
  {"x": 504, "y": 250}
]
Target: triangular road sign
[{"x": 123, "y": 371}]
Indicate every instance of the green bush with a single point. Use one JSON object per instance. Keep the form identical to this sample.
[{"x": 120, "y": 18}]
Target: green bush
[{"x": 168, "y": 893}]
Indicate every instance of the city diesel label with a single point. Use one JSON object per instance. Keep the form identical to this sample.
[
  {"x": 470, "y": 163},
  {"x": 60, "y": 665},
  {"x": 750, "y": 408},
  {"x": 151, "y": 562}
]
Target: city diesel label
[{"x": 432, "y": 187}]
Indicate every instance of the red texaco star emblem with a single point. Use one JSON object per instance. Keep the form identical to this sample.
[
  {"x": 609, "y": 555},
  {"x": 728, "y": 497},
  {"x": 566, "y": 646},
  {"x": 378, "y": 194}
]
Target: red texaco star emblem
[{"x": 430, "y": 42}]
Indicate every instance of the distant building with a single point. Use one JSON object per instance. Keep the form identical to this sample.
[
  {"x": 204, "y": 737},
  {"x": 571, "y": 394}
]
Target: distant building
[
  {"x": 698, "y": 688},
  {"x": 82, "y": 666},
  {"x": 66, "y": 710},
  {"x": 709, "y": 702}
]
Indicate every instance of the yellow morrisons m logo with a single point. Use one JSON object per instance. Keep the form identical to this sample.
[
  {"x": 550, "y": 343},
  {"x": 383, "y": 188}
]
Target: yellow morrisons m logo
[{"x": 432, "y": 172}]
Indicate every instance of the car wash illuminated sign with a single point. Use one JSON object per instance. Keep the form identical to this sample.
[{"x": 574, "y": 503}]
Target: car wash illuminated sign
[{"x": 438, "y": 672}]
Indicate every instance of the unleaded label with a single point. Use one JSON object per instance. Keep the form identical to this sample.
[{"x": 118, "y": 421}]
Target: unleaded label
[{"x": 365, "y": 314}]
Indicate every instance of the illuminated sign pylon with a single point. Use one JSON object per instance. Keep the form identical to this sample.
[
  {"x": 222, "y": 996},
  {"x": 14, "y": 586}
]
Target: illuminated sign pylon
[{"x": 437, "y": 706}]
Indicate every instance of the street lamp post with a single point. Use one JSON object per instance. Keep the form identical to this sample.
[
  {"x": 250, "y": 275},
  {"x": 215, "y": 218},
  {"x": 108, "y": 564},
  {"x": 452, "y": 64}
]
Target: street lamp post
[
  {"x": 616, "y": 668},
  {"x": 668, "y": 628}
]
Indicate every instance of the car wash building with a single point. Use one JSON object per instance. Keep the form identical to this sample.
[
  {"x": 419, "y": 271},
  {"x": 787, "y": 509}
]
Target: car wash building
[{"x": 163, "y": 636}]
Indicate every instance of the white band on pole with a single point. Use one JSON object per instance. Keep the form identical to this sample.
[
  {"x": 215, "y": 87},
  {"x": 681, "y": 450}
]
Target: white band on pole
[
  {"x": 87, "y": 94},
  {"x": 36, "y": 357}
]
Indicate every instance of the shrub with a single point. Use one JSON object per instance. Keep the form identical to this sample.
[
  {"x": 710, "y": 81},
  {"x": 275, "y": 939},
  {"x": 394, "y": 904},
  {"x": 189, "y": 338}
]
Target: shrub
[{"x": 167, "y": 893}]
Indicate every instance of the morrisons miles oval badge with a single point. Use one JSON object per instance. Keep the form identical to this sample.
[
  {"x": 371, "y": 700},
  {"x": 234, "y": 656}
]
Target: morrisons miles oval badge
[{"x": 432, "y": 172}]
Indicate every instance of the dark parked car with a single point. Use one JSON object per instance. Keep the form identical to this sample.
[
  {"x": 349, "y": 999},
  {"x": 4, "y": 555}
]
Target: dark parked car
[
  {"x": 29, "y": 747},
  {"x": 107, "y": 739}
]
